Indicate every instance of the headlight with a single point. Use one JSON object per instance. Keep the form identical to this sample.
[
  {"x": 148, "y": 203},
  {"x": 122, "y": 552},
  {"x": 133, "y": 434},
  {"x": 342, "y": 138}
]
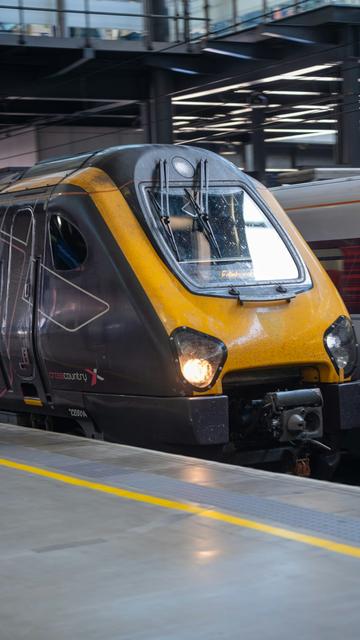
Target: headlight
[
  {"x": 200, "y": 357},
  {"x": 340, "y": 343}
]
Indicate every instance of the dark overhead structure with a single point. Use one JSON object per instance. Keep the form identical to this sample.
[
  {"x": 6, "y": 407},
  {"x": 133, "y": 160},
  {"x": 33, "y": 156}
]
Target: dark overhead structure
[{"x": 281, "y": 80}]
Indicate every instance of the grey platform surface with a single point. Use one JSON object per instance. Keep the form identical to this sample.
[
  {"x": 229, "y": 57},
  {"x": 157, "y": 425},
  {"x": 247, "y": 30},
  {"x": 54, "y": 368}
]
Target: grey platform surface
[{"x": 80, "y": 564}]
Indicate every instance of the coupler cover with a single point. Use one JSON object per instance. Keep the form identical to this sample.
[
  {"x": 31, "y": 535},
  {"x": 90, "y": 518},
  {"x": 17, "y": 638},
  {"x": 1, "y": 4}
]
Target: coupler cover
[{"x": 295, "y": 414}]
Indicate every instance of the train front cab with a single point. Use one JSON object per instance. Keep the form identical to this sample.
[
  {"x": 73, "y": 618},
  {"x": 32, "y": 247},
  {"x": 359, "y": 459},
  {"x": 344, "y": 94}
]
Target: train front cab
[
  {"x": 192, "y": 313},
  {"x": 262, "y": 344}
]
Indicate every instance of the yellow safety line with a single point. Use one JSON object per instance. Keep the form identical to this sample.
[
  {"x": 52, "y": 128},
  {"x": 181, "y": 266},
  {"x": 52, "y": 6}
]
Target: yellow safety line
[{"x": 209, "y": 514}]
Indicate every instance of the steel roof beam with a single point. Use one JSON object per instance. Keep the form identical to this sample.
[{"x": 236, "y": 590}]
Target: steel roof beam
[{"x": 133, "y": 86}]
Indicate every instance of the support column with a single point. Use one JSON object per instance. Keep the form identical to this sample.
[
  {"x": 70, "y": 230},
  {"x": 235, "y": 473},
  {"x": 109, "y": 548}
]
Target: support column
[
  {"x": 145, "y": 120},
  {"x": 61, "y": 20},
  {"x": 348, "y": 147},
  {"x": 160, "y": 127},
  {"x": 258, "y": 143},
  {"x": 348, "y": 142},
  {"x": 160, "y": 27}
]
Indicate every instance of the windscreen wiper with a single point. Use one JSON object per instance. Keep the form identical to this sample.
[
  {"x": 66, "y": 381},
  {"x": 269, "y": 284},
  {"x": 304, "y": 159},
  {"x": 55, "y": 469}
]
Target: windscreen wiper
[
  {"x": 202, "y": 207},
  {"x": 163, "y": 209},
  {"x": 203, "y": 220}
]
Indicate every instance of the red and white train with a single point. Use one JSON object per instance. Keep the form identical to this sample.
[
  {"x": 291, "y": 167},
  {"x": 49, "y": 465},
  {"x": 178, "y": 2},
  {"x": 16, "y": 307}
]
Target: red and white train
[{"x": 327, "y": 213}]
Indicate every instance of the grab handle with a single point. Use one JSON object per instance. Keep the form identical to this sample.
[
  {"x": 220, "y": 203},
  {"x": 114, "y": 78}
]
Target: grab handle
[{"x": 284, "y": 296}]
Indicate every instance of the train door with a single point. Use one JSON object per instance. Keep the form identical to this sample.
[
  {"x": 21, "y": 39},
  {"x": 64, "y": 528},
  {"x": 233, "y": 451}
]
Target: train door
[
  {"x": 19, "y": 294},
  {"x": 24, "y": 231},
  {"x": 5, "y": 384}
]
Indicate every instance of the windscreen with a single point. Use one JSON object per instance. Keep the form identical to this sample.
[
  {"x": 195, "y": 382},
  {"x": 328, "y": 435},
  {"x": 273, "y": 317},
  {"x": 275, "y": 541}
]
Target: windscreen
[{"x": 221, "y": 238}]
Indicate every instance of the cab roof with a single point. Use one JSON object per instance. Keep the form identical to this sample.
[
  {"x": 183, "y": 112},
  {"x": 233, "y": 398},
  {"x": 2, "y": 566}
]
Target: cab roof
[{"x": 129, "y": 163}]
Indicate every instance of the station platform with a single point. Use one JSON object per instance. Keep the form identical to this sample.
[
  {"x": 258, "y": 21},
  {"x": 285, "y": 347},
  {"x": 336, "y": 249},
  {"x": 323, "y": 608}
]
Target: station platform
[{"x": 100, "y": 541}]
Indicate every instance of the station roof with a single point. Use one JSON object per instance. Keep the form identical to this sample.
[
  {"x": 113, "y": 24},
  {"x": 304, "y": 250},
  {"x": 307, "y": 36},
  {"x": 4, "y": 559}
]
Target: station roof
[{"x": 293, "y": 62}]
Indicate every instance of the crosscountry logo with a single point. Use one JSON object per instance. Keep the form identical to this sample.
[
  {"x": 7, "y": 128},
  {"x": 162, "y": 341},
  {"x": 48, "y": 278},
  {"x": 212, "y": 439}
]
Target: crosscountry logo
[{"x": 94, "y": 376}]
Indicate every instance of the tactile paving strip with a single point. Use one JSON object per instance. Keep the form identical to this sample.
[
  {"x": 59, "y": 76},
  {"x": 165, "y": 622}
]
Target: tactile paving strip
[{"x": 262, "y": 508}]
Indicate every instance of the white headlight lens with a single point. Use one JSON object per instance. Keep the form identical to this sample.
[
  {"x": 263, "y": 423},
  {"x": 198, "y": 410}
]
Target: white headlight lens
[
  {"x": 200, "y": 356},
  {"x": 197, "y": 371},
  {"x": 333, "y": 341},
  {"x": 341, "y": 345}
]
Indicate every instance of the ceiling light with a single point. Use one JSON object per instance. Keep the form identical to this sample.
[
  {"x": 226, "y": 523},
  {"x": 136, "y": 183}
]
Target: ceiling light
[
  {"x": 292, "y": 75},
  {"x": 205, "y": 141},
  {"x": 189, "y": 72},
  {"x": 316, "y": 78},
  {"x": 293, "y": 93},
  {"x": 282, "y": 36},
  {"x": 280, "y": 169},
  {"x": 299, "y": 73},
  {"x": 315, "y": 67},
  {"x": 283, "y": 116},
  {"x": 322, "y": 120},
  {"x": 298, "y": 137},
  {"x": 307, "y": 113},
  {"x": 238, "y": 111},
  {"x": 217, "y": 128},
  {"x": 312, "y": 112},
  {"x": 318, "y": 107},
  {"x": 206, "y": 103},
  {"x": 275, "y": 119},
  {"x": 291, "y": 131},
  {"x": 232, "y": 54},
  {"x": 223, "y": 125},
  {"x": 210, "y": 92},
  {"x": 210, "y": 128},
  {"x": 211, "y": 104},
  {"x": 188, "y": 118}
]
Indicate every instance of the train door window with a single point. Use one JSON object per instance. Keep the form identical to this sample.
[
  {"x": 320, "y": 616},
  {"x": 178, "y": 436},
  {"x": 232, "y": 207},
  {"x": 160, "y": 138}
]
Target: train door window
[{"x": 68, "y": 246}]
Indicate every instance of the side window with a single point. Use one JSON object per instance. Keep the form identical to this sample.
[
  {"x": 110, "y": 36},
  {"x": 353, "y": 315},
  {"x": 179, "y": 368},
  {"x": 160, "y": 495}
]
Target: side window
[{"x": 68, "y": 247}]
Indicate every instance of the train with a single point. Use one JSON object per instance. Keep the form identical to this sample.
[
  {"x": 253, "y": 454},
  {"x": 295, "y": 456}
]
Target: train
[
  {"x": 326, "y": 212},
  {"x": 156, "y": 295}
]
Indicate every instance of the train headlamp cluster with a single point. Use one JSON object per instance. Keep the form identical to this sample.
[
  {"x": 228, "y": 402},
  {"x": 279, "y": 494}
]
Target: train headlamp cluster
[
  {"x": 200, "y": 357},
  {"x": 340, "y": 343}
]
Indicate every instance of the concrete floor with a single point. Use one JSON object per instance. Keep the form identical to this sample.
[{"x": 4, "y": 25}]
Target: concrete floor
[{"x": 79, "y": 564}]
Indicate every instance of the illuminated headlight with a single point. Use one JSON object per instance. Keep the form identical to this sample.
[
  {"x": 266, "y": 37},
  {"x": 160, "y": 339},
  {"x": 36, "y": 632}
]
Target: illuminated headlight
[
  {"x": 340, "y": 343},
  {"x": 200, "y": 357}
]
